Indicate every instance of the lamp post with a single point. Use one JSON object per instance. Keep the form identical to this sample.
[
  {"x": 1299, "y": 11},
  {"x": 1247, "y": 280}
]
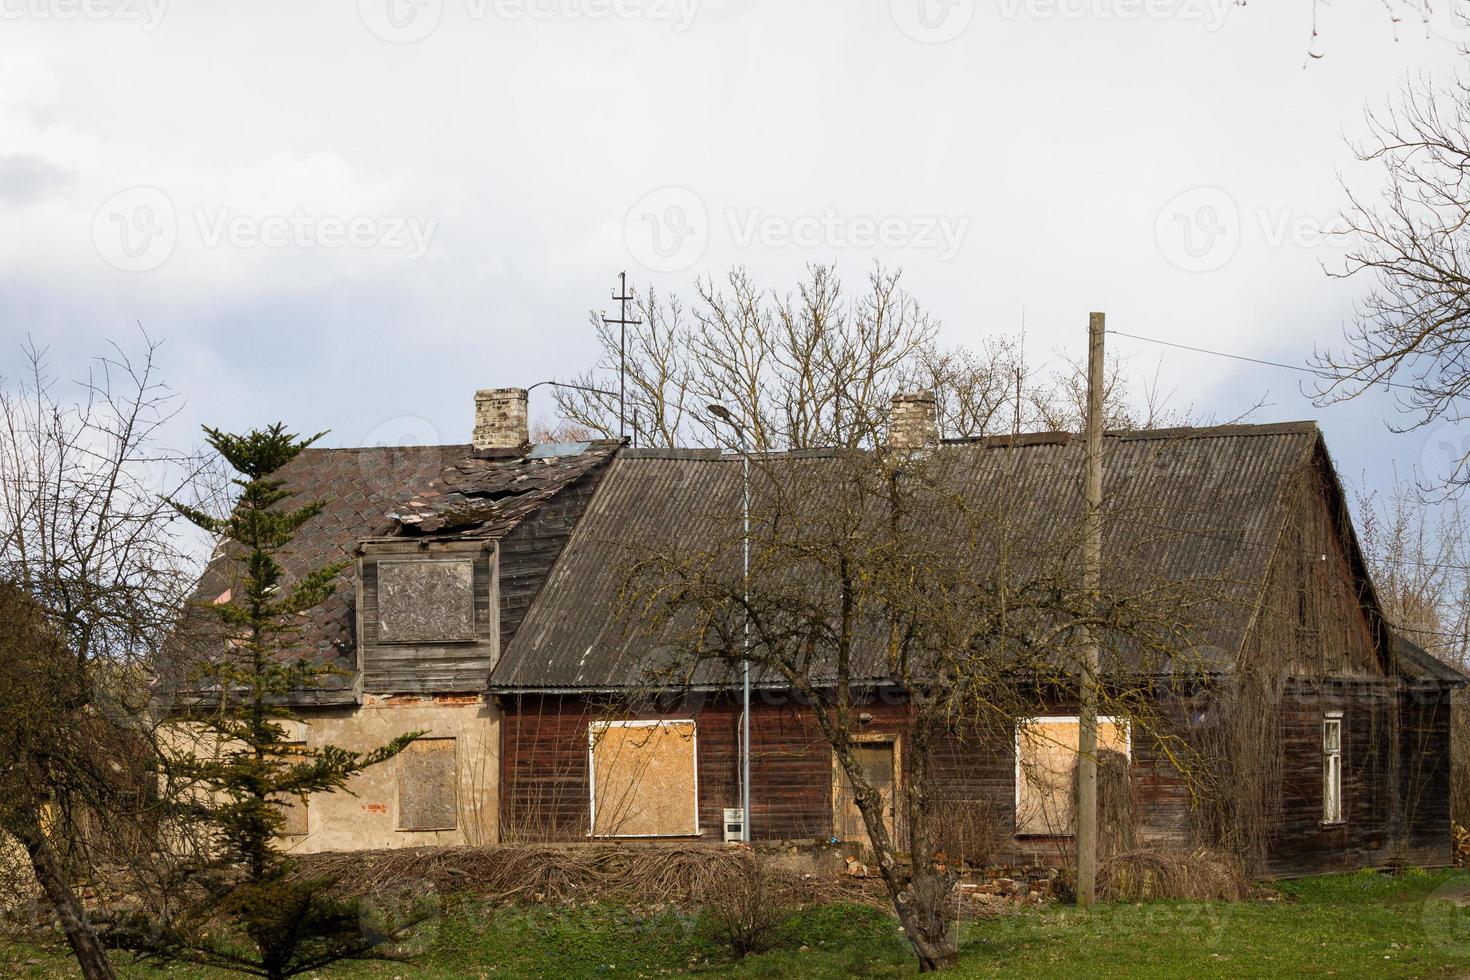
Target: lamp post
[{"x": 723, "y": 414}]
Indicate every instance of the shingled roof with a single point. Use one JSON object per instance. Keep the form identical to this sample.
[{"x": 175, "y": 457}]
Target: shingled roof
[
  {"x": 1189, "y": 504},
  {"x": 485, "y": 496},
  {"x": 386, "y": 491}
]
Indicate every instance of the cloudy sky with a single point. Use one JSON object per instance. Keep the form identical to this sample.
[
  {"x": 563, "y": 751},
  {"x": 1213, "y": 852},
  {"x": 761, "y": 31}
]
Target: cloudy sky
[{"x": 351, "y": 214}]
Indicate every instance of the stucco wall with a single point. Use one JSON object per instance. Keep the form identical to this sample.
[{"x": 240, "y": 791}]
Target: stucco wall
[{"x": 367, "y": 816}]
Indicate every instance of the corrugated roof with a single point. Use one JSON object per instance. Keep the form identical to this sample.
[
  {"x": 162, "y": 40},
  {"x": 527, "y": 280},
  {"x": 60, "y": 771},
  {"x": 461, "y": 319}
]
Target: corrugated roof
[
  {"x": 1186, "y": 504},
  {"x": 1413, "y": 661}
]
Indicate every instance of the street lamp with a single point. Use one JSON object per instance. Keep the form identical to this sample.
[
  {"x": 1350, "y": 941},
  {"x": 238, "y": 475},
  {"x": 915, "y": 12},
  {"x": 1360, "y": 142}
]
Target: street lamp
[{"x": 723, "y": 414}]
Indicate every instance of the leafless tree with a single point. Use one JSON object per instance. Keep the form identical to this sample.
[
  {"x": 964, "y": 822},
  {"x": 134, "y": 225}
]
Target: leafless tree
[
  {"x": 93, "y": 575},
  {"x": 815, "y": 368},
  {"x": 864, "y": 583},
  {"x": 1412, "y": 329},
  {"x": 863, "y": 576}
]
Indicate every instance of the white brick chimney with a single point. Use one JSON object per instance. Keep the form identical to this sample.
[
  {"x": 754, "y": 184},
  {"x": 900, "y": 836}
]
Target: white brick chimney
[
  {"x": 501, "y": 419},
  {"x": 914, "y": 421}
]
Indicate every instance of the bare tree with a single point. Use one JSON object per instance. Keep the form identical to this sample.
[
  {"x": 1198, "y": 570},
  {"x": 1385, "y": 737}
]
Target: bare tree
[
  {"x": 864, "y": 584},
  {"x": 815, "y": 368},
  {"x": 800, "y": 371},
  {"x": 1412, "y": 329},
  {"x": 1419, "y": 558},
  {"x": 92, "y": 575},
  {"x": 863, "y": 575}
]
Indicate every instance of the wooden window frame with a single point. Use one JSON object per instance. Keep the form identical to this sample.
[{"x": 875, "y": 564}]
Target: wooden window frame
[
  {"x": 1333, "y": 809},
  {"x": 596, "y": 726},
  {"x": 1119, "y": 721}
]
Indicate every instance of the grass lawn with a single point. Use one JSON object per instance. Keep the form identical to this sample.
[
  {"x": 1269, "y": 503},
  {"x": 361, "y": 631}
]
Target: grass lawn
[{"x": 1408, "y": 925}]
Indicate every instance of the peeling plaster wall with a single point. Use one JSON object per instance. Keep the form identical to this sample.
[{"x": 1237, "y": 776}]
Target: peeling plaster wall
[{"x": 367, "y": 817}]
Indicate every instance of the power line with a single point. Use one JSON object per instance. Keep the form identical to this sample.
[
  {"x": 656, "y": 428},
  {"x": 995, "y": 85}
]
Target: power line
[{"x": 1315, "y": 372}]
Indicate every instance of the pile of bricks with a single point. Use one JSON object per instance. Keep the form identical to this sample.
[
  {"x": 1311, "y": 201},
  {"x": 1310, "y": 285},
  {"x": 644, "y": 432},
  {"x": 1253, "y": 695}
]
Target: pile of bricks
[{"x": 1023, "y": 886}]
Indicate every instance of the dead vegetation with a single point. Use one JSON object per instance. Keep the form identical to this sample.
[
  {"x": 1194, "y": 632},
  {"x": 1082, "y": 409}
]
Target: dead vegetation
[
  {"x": 1202, "y": 874},
  {"x": 684, "y": 877},
  {"x": 749, "y": 908}
]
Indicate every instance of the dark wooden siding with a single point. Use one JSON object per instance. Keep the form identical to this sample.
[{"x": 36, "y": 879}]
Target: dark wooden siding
[
  {"x": 544, "y": 795},
  {"x": 1318, "y": 638},
  {"x": 529, "y": 551},
  {"x": 428, "y": 668}
]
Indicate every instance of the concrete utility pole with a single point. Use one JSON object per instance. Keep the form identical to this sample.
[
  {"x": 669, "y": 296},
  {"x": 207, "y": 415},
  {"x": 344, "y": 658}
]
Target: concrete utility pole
[
  {"x": 725, "y": 415},
  {"x": 1092, "y": 589}
]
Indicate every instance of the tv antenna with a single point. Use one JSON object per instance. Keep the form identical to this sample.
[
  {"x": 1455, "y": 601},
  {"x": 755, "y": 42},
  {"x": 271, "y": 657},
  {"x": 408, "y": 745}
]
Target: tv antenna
[{"x": 622, "y": 323}]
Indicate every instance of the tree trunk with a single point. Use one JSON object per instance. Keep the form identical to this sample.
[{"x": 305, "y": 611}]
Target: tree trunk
[
  {"x": 919, "y": 902},
  {"x": 85, "y": 945}
]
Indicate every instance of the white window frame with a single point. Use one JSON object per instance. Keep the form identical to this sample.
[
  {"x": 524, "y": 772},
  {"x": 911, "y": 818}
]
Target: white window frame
[
  {"x": 592, "y": 729},
  {"x": 1121, "y": 722},
  {"x": 1332, "y": 808}
]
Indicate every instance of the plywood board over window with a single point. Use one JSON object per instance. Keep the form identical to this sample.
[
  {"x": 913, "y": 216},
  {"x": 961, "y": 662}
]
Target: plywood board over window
[
  {"x": 428, "y": 779},
  {"x": 1046, "y": 770},
  {"x": 644, "y": 779},
  {"x": 879, "y": 759},
  {"x": 293, "y": 808},
  {"x": 426, "y": 601}
]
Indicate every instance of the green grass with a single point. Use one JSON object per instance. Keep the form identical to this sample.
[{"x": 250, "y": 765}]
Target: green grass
[{"x": 1407, "y": 925}]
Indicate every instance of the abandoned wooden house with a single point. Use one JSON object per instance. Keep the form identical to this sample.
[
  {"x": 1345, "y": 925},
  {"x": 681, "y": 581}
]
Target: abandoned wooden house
[{"x": 483, "y": 603}]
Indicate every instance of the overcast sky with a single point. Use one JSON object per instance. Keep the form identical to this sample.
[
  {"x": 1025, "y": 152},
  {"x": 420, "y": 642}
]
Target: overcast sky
[{"x": 352, "y": 214}]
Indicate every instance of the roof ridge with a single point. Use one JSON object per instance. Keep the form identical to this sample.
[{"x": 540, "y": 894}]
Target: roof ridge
[{"x": 374, "y": 449}]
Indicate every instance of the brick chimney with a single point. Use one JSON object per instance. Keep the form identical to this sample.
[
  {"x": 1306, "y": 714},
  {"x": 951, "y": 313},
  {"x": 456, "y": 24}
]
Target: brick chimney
[
  {"x": 501, "y": 420},
  {"x": 914, "y": 422}
]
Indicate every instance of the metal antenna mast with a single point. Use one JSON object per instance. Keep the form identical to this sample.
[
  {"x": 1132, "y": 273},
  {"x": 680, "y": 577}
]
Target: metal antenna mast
[{"x": 623, "y": 323}]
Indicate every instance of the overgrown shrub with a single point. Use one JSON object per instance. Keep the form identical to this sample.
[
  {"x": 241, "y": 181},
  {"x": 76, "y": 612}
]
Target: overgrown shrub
[
  {"x": 746, "y": 908},
  {"x": 971, "y": 832},
  {"x": 1199, "y": 874}
]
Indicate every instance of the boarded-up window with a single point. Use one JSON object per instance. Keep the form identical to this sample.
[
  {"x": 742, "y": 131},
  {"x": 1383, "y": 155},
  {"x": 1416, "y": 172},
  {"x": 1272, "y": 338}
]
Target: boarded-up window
[
  {"x": 1046, "y": 770},
  {"x": 293, "y": 808},
  {"x": 426, "y": 601},
  {"x": 427, "y": 784},
  {"x": 878, "y": 760},
  {"x": 644, "y": 779}
]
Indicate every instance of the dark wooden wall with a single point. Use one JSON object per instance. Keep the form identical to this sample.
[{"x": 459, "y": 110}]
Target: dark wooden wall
[
  {"x": 544, "y": 793},
  {"x": 529, "y": 551},
  {"x": 427, "y": 668},
  {"x": 1395, "y": 779}
]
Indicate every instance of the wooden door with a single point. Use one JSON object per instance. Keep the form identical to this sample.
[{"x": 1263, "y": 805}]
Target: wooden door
[{"x": 879, "y": 763}]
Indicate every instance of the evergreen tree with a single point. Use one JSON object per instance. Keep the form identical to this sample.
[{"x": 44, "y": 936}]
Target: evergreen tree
[{"x": 246, "y": 908}]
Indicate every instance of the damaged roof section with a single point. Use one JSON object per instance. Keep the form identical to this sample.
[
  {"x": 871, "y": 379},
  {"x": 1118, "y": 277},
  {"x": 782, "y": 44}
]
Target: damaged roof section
[
  {"x": 377, "y": 494},
  {"x": 486, "y": 495}
]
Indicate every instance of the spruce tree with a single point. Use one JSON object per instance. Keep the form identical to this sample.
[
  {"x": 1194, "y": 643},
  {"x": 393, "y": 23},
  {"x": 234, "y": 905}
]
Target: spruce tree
[{"x": 246, "y": 906}]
